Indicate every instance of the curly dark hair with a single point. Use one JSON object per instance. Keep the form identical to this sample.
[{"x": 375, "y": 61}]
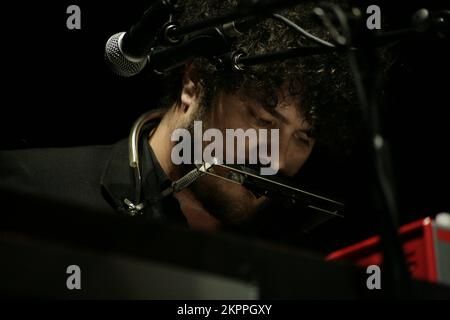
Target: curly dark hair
[{"x": 321, "y": 83}]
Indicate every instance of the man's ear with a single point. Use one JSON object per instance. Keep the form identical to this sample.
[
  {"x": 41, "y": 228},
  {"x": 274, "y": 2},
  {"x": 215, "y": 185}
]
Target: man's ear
[{"x": 191, "y": 89}]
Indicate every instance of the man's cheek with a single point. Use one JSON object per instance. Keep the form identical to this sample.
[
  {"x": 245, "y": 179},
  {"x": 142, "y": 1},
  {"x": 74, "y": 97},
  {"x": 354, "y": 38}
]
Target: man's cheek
[{"x": 269, "y": 151}]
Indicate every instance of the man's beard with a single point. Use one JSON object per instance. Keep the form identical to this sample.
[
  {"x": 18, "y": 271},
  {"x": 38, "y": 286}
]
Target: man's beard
[{"x": 232, "y": 204}]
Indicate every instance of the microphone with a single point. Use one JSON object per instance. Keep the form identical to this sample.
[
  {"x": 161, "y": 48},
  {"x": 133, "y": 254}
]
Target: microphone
[{"x": 126, "y": 52}]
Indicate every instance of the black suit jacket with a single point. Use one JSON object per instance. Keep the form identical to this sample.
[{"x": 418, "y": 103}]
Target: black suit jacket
[{"x": 93, "y": 177}]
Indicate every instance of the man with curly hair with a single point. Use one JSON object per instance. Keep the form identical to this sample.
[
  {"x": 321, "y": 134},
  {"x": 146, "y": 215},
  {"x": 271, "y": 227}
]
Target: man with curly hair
[{"x": 306, "y": 99}]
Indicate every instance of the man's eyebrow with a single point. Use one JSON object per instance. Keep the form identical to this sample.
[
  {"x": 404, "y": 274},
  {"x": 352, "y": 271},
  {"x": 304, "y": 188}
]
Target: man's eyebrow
[
  {"x": 275, "y": 113},
  {"x": 270, "y": 108},
  {"x": 278, "y": 115},
  {"x": 309, "y": 132}
]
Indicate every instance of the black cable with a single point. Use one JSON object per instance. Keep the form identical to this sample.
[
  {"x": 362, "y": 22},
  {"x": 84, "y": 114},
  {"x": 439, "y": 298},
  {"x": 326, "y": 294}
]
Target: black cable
[
  {"x": 296, "y": 27},
  {"x": 363, "y": 63},
  {"x": 291, "y": 53}
]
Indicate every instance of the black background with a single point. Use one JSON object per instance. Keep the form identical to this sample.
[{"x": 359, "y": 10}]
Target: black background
[{"x": 57, "y": 92}]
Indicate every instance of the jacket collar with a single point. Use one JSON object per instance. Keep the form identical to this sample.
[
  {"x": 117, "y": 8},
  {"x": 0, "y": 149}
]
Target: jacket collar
[{"x": 118, "y": 184}]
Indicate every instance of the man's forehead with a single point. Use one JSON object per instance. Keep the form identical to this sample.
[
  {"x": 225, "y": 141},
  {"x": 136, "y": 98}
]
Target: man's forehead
[
  {"x": 271, "y": 96},
  {"x": 290, "y": 114},
  {"x": 279, "y": 102}
]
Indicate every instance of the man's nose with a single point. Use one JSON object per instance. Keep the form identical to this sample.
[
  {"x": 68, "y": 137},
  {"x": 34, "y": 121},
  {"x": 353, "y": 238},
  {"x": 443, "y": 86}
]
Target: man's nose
[
  {"x": 288, "y": 163},
  {"x": 280, "y": 155},
  {"x": 283, "y": 168}
]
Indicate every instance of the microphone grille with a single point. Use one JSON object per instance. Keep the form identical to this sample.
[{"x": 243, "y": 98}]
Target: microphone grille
[{"x": 117, "y": 61}]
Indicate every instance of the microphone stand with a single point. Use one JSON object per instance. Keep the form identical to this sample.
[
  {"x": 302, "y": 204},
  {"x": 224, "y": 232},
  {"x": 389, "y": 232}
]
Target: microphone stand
[
  {"x": 364, "y": 63},
  {"x": 365, "y": 66}
]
